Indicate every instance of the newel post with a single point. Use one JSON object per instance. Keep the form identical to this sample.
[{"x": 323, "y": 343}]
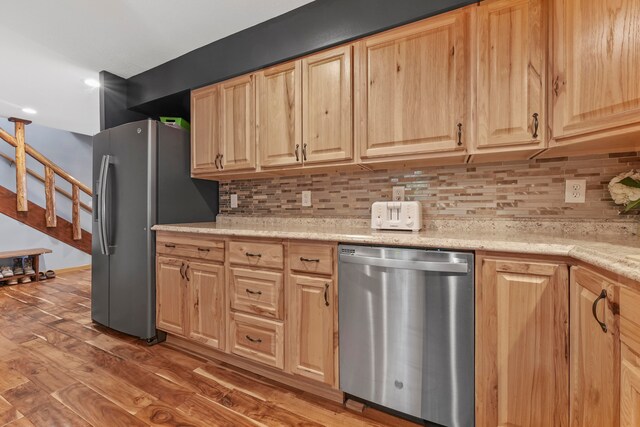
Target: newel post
[{"x": 21, "y": 164}]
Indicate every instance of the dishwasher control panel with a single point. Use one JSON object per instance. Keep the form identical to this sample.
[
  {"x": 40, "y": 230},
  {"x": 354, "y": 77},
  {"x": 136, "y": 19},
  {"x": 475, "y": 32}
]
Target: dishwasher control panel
[{"x": 396, "y": 216}]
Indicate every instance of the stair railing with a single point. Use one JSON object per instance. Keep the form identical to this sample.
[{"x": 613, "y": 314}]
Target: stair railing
[{"x": 51, "y": 170}]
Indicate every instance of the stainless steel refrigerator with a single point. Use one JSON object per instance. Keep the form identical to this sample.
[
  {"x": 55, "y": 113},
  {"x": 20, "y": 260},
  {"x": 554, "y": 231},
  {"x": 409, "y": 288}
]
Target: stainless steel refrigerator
[{"x": 141, "y": 177}]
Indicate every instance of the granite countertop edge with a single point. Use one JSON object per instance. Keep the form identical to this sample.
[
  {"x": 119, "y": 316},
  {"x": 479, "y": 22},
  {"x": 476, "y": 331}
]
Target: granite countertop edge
[{"x": 612, "y": 257}]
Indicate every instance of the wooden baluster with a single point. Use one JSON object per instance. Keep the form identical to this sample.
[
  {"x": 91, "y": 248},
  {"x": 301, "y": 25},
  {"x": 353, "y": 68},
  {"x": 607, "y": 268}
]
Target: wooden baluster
[
  {"x": 50, "y": 196},
  {"x": 75, "y": 213},
  {"x": 21, "y": 165}
]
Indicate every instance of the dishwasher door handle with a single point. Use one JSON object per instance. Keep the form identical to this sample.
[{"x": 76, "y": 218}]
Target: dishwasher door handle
[{"x": 441, "y": 267}]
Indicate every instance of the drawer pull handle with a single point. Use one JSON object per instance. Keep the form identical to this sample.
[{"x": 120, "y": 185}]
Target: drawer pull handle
[
  {"x": 303, "y": 259},
  {"x": 536, "y": 124},
  {"x": 167, "y": 245},
  {"x": 594, "y": 307},
  {"x": 186, "y": 273},
  {"x": 203, "y": 249},
  {"x": 326, "y": 294},
  {"x": 256, "y": 340},
  {"x": 182, "y": 272},
  {"x": 249, "y": 291},
  {"x": 253, "y": 255}
]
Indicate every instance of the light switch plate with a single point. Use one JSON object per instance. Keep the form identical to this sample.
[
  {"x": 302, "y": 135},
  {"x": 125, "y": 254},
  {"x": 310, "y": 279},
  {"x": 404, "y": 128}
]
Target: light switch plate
[
  {"x": 575, "y": 190},
  {"x": 234, "y": 200},
  {"x": 306, "y": 199}
]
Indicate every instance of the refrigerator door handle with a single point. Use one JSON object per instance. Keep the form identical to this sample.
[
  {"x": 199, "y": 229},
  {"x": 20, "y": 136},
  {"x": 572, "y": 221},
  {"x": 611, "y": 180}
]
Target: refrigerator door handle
[
  {"x": 98, "y": 204},
  {"x": 104, "y": 172}
]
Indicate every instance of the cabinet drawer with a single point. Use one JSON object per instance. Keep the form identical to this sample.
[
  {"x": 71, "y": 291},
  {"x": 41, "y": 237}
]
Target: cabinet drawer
[
  {"x": 256, "y": 254},
  {"x": 257, "y": 292},
  {"x": 309, "y": 258},
  {"x": 189, "y": 247},
  {"x": 257, "y": 339}
]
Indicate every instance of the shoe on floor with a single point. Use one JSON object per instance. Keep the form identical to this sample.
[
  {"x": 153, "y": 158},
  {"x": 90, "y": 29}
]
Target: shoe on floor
[
  {"x": 51, "y": 274},
  {"x": 12, "y": 282},
  {"x": 25, "y": 279},
  {"x": 42, "y": 276},
  {"x": 6, "y": 271}
]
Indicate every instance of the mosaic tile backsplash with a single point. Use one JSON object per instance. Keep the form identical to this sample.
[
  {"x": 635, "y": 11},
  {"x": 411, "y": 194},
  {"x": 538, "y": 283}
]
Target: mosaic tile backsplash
[{"x": 509, "y": 190}]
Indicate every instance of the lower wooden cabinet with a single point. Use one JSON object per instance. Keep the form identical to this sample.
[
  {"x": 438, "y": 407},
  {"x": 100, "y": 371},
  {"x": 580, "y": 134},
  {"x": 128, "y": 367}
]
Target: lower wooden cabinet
[
  {"x": 170, "y": 290},
  {"x": 521, "y": 343},
  {"x": 311, "y": 328},
  {"x": 629, "y": 388},
  {"x": 257, "y": 339},
  {"x": 205, "y": 289},
  {"x": 595, "y": 350}
]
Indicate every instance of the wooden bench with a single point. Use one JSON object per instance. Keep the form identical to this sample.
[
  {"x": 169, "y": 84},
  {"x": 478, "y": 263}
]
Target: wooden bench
[{"x": 33, "y": 253}]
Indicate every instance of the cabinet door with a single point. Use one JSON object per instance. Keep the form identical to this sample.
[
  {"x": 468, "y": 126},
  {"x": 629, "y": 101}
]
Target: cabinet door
[
  {"x": 237, "y": 124},
  {"x": 279, "y": 115},
  {"x": 205, "y": 283},
  {"x": 511, "y": 73},
  {"x": 594, "y": 353},
  {"x": 311, "y": 338},
  {"x": 327, "y": 105},
  {"x": 521, "y": 343},
  {"x": 596, "y": 58},
  {"x": 629, "y": 389},
  {"x": 205, "y": 130},
  {"x": 413, "y": 88},
  {"x": 170, "y": 290}
]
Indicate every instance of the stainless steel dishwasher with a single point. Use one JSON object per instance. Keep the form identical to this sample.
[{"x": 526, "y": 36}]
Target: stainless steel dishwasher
[{"x": 407, "y": 330}]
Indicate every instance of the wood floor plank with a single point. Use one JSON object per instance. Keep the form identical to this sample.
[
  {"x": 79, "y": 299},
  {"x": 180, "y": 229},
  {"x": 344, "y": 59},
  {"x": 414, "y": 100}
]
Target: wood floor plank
[
  {"x": 58, "y": 368},
  {"x": 94, "y": 408},
  {"x": 117, "y": 390}
]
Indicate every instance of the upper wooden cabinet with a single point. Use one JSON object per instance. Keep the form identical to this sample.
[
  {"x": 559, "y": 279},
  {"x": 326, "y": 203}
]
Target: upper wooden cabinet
[
  {"x": 511, "y": 70},
  {"x": 521, "y": 343},
  {"x": 412, "y": 89},
  {"x": 237, "y": 124},
  {"x": 205, "y": 136},
  {"x": 279, "y": 111},
  {"x": 596, "y": 63},
  {"x": 594, "y": 361},
  {"x": 327, "y": 106}
]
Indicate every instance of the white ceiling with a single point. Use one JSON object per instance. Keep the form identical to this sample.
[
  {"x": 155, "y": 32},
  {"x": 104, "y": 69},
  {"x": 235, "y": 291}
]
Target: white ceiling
[{"x": 50, "y": 47}]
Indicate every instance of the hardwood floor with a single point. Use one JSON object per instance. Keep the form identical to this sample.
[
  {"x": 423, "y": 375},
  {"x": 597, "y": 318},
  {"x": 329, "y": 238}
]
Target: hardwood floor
[{"x": 57, "y": 368}]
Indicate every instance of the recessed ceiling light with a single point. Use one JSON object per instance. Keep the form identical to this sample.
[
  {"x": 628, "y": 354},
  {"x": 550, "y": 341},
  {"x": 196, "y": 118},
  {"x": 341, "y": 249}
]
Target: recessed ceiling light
[
  {"x": 29, "y": 110},
  {"x": 92, "y": 82}
]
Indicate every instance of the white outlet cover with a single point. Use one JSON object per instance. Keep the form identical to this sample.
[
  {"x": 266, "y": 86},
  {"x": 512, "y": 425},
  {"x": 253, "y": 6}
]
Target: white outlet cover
[
  {"x": 306, "y": 199},
  {"x": 398, "y": 193},
  {"x": 234, "y": 200},
  {"x": 575, "y": 190}
]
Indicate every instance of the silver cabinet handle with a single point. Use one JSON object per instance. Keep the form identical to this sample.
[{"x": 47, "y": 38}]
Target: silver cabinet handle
[{"x": 102, "y": 213}]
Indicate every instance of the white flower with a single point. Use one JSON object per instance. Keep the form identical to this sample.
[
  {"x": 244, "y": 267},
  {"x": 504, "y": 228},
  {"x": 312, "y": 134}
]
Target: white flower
[{"x": 623, "y": 194}]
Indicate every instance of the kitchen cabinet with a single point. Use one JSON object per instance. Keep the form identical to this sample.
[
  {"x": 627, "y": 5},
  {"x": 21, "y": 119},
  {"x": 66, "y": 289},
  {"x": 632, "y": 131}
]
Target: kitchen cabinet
[
  {"x": 595, "y": 88},
  {"x": 205, "y": 293},
  {"x": 630, "y": 358},
  {"x": 170, "y": 290},
  {"x": 511, "y": 70},
  {"x": 190, "y": 286},
  {"x": 279, "y": 112},
  {"x": 312, "y": 337},
  {"x": 327, "y": 106},
  {"x": 237, "y": 124},
  {"x": 521, "y": 342},
  {"x": 413, "y": 89},
  {"x": 205, "y": 134},
  {"x": 257, "y": 339},
  {"x": 594, "y": 360}
]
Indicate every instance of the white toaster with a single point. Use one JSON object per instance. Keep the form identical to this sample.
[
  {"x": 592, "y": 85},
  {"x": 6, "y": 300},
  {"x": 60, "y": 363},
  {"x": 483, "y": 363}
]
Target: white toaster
[{"x": 396, "y": 216}]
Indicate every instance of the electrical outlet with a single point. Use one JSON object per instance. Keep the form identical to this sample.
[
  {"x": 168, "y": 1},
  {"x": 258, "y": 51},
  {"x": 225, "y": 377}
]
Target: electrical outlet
[
  {"x": 575, "y": 190},
  {"x": 398, "y": 194},
  {"x": 306, "y": 199},
  {"x": 234, "y": 200}
]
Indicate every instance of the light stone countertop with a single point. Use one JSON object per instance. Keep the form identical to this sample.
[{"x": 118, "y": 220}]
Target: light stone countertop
[{"x": 619, "y": 254}]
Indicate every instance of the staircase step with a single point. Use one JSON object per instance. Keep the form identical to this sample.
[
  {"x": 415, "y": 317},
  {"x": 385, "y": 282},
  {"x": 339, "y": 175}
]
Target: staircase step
[{"x": 35, "y": 218}]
